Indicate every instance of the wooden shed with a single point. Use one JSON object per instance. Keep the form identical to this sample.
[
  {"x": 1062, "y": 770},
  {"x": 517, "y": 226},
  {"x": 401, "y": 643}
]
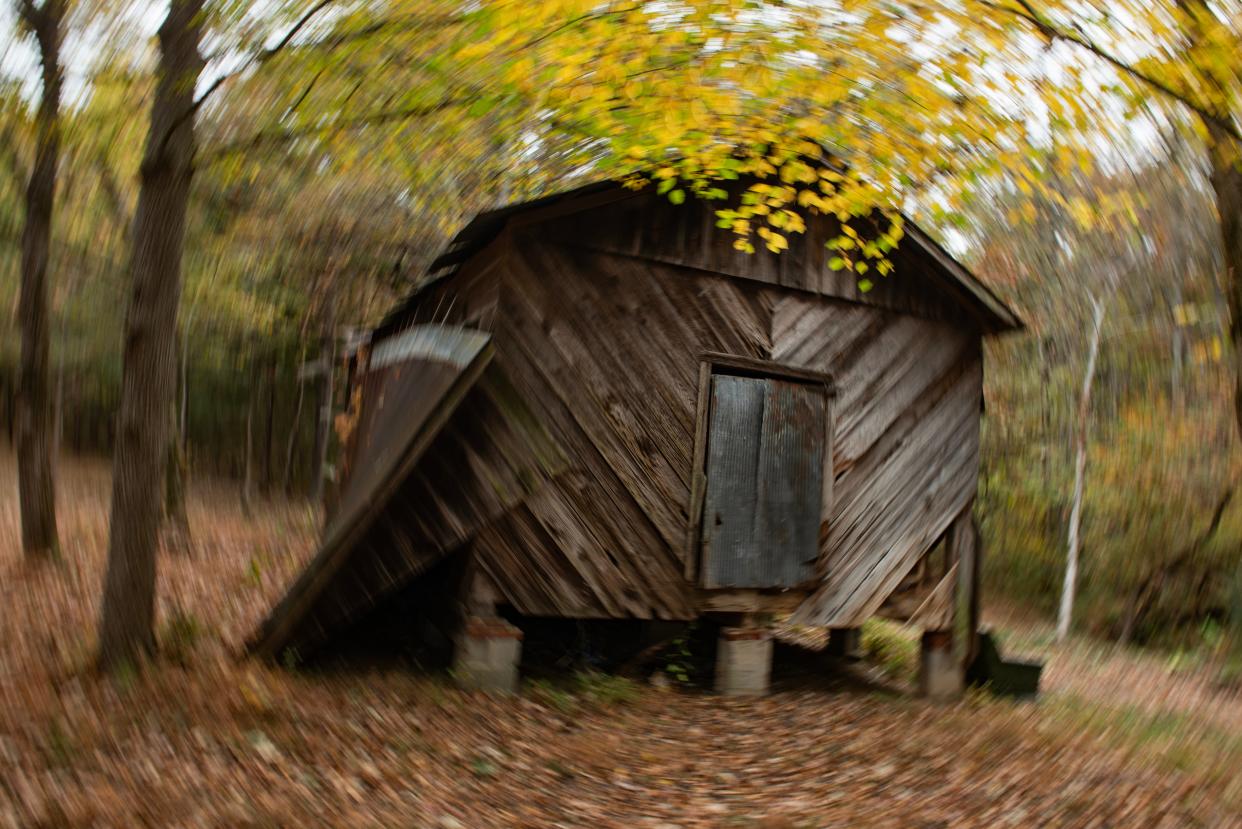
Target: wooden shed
[{"x": 609, "y": 412}]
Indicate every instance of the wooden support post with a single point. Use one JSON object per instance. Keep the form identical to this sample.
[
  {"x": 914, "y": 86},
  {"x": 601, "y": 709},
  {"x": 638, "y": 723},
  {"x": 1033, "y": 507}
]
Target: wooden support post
[
  {"x": 950, "y": 643},
  {"x": 963, "y": 545}
]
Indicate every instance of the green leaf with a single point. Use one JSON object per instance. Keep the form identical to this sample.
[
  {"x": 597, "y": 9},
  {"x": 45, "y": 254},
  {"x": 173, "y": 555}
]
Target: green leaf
[
  {"x": 677, "y": 196},
  {"x": 865, "y": 285},
  {"x": 836, "y": 263}
]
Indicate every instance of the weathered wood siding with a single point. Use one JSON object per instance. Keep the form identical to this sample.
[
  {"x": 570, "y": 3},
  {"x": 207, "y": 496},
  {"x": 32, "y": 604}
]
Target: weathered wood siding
[
  {"x": 488, "y": 459},
  {"x": 647, "y": 227},
  {"x": 567, "y": 469},
  {"x": 906, "y": 447},
  {"x": 605, "y": 349}
]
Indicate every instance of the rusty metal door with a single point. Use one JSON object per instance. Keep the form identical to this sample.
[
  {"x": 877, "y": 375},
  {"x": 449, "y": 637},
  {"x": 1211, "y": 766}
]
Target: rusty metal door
[{"x": 764, "y": 468}]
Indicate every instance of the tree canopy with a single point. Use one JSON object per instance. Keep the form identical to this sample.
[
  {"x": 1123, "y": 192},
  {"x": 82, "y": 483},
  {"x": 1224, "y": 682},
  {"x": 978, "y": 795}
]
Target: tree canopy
[{"x": 340, "y": 142}]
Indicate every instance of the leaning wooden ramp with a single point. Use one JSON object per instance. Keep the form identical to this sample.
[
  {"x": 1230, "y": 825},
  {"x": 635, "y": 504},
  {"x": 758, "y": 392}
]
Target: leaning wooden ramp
[{"x": 415, "y": 382}]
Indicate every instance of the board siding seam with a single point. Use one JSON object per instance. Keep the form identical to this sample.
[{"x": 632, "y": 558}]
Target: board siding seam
[
  {"x": 572, "y": 405},
  {"x": 601, "y": 462},
  {"x": 871, "y": 301},
  {"x": 849, "y": 602},
  {"x": 822, "y": 607}
]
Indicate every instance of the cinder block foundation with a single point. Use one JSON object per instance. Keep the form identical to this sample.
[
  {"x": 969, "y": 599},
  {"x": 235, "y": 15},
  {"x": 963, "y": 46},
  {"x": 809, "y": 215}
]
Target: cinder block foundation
[
  {"x": 487, "y": 654},
  {"x": 940, "y": 672},
  {"x": 743, "y": 662}
]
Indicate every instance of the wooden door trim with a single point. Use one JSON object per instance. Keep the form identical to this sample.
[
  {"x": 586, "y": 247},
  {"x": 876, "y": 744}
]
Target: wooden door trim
[
  {"x": 698, "y": 478},
  {"x": 739, "y": 364}
]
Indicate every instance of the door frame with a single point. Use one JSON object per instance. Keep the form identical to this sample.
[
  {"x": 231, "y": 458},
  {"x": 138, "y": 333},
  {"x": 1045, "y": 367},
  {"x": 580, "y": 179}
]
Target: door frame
[{"x": 712, "y": 362}]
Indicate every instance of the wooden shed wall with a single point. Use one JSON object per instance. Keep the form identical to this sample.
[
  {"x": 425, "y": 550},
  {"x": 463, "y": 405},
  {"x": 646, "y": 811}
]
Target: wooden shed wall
[
  {"x": 567, "y": 469},
  {"x": 647, "y": 226},
  {"x": 490, "y": 456},
  {"x": 598, "y": 321},
  {"x": 605, "y": 348},
  {"x": 906, "y": 446},
  {"x": 605, "y": 351}
]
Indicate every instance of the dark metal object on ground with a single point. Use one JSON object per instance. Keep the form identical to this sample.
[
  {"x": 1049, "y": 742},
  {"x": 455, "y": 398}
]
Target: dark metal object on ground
[{"x": 1010, "y": 677}]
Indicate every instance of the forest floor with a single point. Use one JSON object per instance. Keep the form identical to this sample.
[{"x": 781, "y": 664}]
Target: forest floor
[{"x": 1118, "y": 738}]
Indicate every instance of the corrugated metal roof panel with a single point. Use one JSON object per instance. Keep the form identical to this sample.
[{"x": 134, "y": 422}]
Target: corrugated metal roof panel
[{"x": 764, "y": 482}]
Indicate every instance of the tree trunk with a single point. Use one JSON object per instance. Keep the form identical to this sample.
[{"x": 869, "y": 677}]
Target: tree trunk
[
  {"x": 177, "y": 536},
  {"x": 176, "y": 468},
  {"x": 1066, "y": 612},
  {"x": 58, "y": 407},
  {"x": 291, "y": 445},
  {"x": 127, "y": 624},
  {"x": 1045, "y": 415},
  {"x": 323, "y": 428},
  {"x": 8, "y": 412},
  {"x": 183, "y": 413},
  {"x": 1227, "y": 185},
  {"x": 247, "y": 492},
  {"x": 1177, "y": 346},
  {"x": 269, "y": 428},
  {"x": 177, "y": 521},
  {"x": 34, "y": 416},
  {"x": 1226, "y": 155}
]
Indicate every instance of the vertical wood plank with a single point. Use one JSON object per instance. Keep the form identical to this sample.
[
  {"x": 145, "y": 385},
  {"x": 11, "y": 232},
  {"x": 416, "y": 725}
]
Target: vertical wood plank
[
  {"x": 694, "y": 511},
  {"x": 764, "y": 473},
  {"x": 729, "y": 512},
  {"x": 789, "y": 491},
  {"x": 963, "y": 543}
]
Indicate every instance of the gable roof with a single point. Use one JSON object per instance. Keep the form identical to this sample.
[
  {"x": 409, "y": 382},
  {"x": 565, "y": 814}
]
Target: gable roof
[{"x": 955, "y": 278}]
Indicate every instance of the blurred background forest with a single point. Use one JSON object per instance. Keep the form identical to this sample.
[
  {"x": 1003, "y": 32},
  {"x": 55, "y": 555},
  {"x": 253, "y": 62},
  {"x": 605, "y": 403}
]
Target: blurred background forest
[
  {"x": 288, "y": 256},
  {"x": 1160, "y": 529}
]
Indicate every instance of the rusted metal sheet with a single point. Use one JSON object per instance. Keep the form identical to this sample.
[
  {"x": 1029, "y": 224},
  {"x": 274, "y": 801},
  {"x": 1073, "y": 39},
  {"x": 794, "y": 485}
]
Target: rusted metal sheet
[
  {"x": 413, "y": 372},
  {"x": 764, "y": 481},
  {"x": 731, "y": 553}
]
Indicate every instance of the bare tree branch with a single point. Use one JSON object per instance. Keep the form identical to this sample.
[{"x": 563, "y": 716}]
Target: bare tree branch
[
  {"x": 260, "y": 58},
  {"x": 29, "y": 13},
  {"x": 286, "y": 135},
  {"x": 257, "y": 60},
  {"x": 1026, "y": 11}
]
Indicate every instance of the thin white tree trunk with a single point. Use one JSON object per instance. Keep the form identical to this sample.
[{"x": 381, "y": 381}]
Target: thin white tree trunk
[{"x": 1066, "y": 613}]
